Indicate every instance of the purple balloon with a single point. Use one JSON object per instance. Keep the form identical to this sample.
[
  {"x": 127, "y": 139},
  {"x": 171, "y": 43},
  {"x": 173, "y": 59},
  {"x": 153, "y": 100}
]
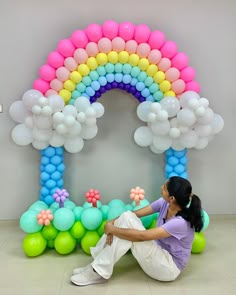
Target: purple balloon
[
  {"x": 108, "y": 86},
  {"x": 93, "y": 98},
  {"x": 102, "y": 89},
  {"x": 137, "y": 94},
  {"x": 114, "y": 84},
  {"x": 132, "y": 90},
  {"x": 127, "y": 87}
]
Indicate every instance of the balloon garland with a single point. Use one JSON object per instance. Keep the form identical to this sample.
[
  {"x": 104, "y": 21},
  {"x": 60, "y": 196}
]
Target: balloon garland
[{"x": 61, "y": 112}]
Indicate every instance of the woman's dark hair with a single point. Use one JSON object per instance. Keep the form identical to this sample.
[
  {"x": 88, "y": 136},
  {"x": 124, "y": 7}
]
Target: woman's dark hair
[{"x": 181, "y": 189}]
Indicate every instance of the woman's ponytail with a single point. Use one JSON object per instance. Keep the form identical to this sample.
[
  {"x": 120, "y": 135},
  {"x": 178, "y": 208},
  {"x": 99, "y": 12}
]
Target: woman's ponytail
[{"x": 195, "y": 213}]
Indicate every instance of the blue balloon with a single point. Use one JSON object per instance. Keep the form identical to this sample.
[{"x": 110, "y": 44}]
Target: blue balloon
[
  {"x": 56, "y": 160},
  {"x": 145, "y": 92},
  {"x": 49, "y": 152},
  {"x": 140, "y": 86},
  {"x": 102, "y": 81},
  {"x": 44, "y": 160},
  {"x": 179, "y": 169},
  {"x": 56, "y": 175},
  {"x": 173, "y": 161},
  {"x": 126, "y": 79},
  {"x": 50, "y": 183},
  {"x": 44, "y": 176},
  {"x": 50, "y": 168},
  {"x": 133, "y": 81},
  {"x": 95, "y": 85},
  {"x": 118, "y": 77},
  {"x": 110, "y": 78},
  {"x": 142, "y": 76},
  {"x": 90, "y": 91},
  {"x": 148, "y": 81},
  {"x": 135, "y": 71}
]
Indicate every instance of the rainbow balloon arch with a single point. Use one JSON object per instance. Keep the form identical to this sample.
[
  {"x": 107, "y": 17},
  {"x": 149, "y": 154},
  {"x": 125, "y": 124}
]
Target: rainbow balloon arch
[{"x": 61, "y": 111}]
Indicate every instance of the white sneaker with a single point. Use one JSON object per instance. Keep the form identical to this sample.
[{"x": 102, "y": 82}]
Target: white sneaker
[
  {"x": 76, "y": 271},
  {"x": 87, "y": 277}
]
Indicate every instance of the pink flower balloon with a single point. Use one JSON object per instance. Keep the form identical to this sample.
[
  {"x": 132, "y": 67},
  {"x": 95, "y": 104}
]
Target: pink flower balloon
[
  {"x": 79, "y": 39},
  {"x": 110, "y": 29},
  {"x": 126, "y": 30},
  {"x": 156, "y": 39}
]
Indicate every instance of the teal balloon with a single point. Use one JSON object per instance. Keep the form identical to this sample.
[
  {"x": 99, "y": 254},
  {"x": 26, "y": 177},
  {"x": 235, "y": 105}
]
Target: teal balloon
[
  {"x": 116, "y": 203},
  {"x": 105, "y": 210},
  {"x": 143, "y": 203},
  {"x": 115, "y": 212},
  {"x": 91, "y": 218},
  {"x": 63, "y": 219},
  {"x": 54, "y": 206},
  {"x": 89, "y": 205},
  {"x": 129, "y": 207},
  {"x": 38, "y": 206},
  {"x": 29, "y": 222},
  {"x": 69, "y": 204},
  {"x": 77, "y": 212},
  {"x": 206, "y": 220},
  {"x": 146, "y": 220}
]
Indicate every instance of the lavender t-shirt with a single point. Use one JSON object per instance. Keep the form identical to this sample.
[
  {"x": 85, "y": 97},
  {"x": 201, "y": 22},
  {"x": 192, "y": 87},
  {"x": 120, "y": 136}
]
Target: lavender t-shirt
[{"x": 179, "y": 244}]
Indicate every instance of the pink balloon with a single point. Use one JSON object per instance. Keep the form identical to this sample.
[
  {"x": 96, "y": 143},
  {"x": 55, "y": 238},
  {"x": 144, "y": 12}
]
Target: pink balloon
[
  {"x": 56, "y": 85},
  {"x": 70, "y": 64},
  {"x": 80, "y": 55},
  {"x": 169, "y": 49},
  {"x": 172, "y": 74},
  {"x": 104, "y": 45},
  {"x": 65, "y": 47},
  {"x": 110, "y": 29},
  {"x": 92, "y": 49},
  {"x": 118, "y": 44},
  {"x": 126, "y": 30},
  {"x": 50, "y": 92},
  {"x": 156, "y": 39},
  {"x": 55, "y": 59},
  {"x": 164, "y": 64},
  {"x": 79, "y": 39},
  {"x": 62, "y": 74},
  {"x": 187, "y": 74},
  {"x": 143, "y": 49},
  {"x": 94, "y": 32},
  {"x": 142, "y": 33},
  {"x": 131, "y": 46},
  {"x": 180, "y": 60},
  {"x": 192, "y": 86},
  {"x": 47, "y": 73},
  {"x": 178, "y": 86},
  {"x": 41, "y": 85},
  {"x": 154, "y": 56}
]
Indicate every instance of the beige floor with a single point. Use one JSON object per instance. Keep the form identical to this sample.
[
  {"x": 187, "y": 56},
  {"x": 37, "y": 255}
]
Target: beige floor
[{"x": 212, "y": 272}]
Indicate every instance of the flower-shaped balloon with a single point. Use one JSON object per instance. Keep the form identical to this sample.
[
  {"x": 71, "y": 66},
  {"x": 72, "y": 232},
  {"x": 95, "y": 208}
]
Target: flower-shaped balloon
[
  {"x": 137, "y": 194},
  {"x": 93, "y": 196},
  {"x": 60, "y": 196},
  {"x": 44, "y": 217}
]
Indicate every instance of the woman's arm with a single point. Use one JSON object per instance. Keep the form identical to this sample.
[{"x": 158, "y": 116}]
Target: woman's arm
[
  {"x": 135, "y": 235},
  {"x": 147, "y": 210}
]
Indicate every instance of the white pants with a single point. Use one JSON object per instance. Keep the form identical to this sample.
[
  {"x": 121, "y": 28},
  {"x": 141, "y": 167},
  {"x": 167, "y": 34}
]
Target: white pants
[{"x": 155, "y": 261}]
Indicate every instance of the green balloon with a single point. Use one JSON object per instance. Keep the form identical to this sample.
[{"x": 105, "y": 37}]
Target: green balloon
[
  {"x": 50, "y": 244},
  {"x": 49, "y": 232},
  {"x": 100, "y": 230},
  {"x": 89, "y": 240},
  {"x": 199, "y": 243},
  {"x": 78, "y": 230},
  {"x": 29, "y": 222},
  {"x": 34, "y": 244},
  {"x": 63, "y": 219},
  {"x": 64, "y": 243},
  {"x": 91, "y": 218}
]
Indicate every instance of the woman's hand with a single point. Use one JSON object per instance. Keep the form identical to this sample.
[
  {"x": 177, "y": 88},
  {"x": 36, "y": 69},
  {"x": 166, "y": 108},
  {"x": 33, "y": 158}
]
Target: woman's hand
[{"x": 107, "y": 230}]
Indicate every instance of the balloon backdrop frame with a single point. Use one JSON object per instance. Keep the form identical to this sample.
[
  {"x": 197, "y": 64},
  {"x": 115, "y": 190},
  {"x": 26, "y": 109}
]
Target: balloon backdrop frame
[{"x": 61, "y": 111}]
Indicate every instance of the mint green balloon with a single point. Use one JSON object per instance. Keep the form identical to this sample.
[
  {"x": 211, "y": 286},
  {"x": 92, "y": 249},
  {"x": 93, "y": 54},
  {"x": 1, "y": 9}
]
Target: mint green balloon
[
  {"x": 116, "y": 203},
  {"x": 89, "y": 240},
  {"x": 77, "y": 212},
  {"x": 63, "y": 219},
  {"x": 104, "y": 209},
  {"x": 29, "y": 222},
  {"x": 34, "y": 244},
  {"x": 91, "y": 218},
  {"x": 69, "y": 204},
  {"x": 64, "y": 243},
  {"x": 38, "y": 206},
  {"x": 115, "y": 212}
]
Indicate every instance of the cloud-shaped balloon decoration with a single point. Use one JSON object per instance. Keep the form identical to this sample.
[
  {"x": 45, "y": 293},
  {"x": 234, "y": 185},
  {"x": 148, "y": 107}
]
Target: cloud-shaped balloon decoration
[
  {"x": 187, "y": 122},
  {"x": 48, "y": 121}
]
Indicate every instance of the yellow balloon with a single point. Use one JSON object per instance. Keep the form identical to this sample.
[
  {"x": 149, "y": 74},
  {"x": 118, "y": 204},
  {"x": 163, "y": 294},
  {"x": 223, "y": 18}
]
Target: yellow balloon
[
  {"x": 133, "y": 59},
  {"x": 92, "y": 63},
  {"x": 123, "y": 57},
  {"x": 101, "y": 58},
  {"x": 169, "y": 93},
  {"x": 83, "y": 69},
  {"x": 152, "y": 70},
  {"x": 159, "y": 77},
  {"x": 112, "y": 57},
  {"x": 65, "y": 94},
  {"x": 165, "y": 86},
  {"x": 69, "y": 85},
  {"x": 143, "y": 64},
  {"x": 76, "y": 77}
]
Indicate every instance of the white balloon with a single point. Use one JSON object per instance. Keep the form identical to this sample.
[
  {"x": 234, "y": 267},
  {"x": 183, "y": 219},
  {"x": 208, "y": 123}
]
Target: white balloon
[
  {"x": 41, "y": 135},
  {"x": 207, "y": 118},
  {"x": 174, "y": 122},
  {"x": 189, "y": 139},
  {"x": 61, "y": 129},
  {"x": 186, "y": 117},
  {"x": 183, "y": 129},
  {"x": 143, "y": 136},
  {"x": 18, "y": 111},
  {"x": 176, "y": 145},
  {"x": 193, "y": 104},
  {"x": 74, "y": 145},
  {"x": 200, "y": 111},
  {"x": 162, "y": 142},
  {"x": 174, "y": 132},
  {"x": 186, "y": 96},
  {"x": 81, "y": 117},
  {"x": 36, "y": 110},
  {"x": 217, "y": 123},
  {"x": 58, "y": 118},
  {"x": 155, "y": 107},
  {"x": 201, "y": 143},
  {"x": 56, "y": 139},
  {"x": 143, "y": 110},
  {"x": 90, "y": 121},
  {"x": 29, "y": 123},
  {"x": 82, "y": 103},
  {"x": 203, "y": 130},
  {"x": 90, "y": 112},
  {"x": 46, "y": 111},
  {"x": 75, "y": 129},
  {"x": 42, "y": 101},
  {"x": 70, "y": 110},
  {"x": 42, "y": 122},
  {"x": 151, "y": 117},
  {"x": 99, "y": 108},
  {"x": 171, "y": 105},
  {"x": 69, "y": 120},
  {"x": 21, "y": 135},
  {"x": 40, "y": 145},
  {"x": 204, "y": 102},
  {"x": 155, "y": 150},
  {"x": 56, "y": 102},
  {"x": 160, "y": 128},
  {"x": 162, "y": 115},
  {"x": 88, "y": 132},
  {"x": 31, "y": 97}
]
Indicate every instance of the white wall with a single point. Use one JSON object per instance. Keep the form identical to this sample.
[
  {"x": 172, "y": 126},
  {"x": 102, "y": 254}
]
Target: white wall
[{"x": 112, "y": 162}]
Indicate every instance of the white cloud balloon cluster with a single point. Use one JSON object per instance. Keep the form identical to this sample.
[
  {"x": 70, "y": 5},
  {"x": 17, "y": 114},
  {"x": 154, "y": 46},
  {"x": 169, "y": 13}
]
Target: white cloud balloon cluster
[
  {"x": 187, "y": 122},
  {"x": 47, "y": 121}
]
